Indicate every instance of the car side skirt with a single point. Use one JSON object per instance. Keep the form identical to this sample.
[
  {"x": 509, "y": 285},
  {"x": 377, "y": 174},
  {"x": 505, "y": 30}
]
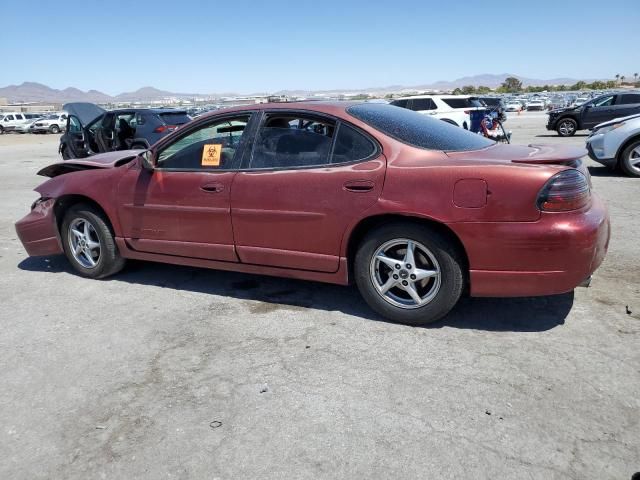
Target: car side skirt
[{"x": 340, "y": 277}]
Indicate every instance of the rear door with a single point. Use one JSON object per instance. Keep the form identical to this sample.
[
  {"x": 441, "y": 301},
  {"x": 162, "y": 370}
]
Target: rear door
[
  {"x": 307, "y": 178},
  {"x": 627, "y": 104},
  {"x": 74, "y": 139}
]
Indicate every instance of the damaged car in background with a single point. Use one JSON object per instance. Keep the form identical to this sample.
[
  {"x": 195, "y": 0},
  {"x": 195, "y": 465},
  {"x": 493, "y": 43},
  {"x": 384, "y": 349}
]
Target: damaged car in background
[
  {"x": 411, "y": 209},
  {"x": 90, "y": 129}
]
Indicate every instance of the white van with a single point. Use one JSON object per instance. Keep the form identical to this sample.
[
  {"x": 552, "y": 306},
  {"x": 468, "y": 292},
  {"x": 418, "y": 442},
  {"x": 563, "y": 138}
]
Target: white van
[{"x": 453, "y": 109}]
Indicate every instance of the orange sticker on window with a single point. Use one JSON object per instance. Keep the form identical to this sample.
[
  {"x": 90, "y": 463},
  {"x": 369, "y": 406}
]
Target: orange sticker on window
[{"x": 211, "y": 155}]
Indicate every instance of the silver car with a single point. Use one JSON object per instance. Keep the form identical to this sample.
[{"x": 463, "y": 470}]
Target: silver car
[{"x": 617, "y": 144}]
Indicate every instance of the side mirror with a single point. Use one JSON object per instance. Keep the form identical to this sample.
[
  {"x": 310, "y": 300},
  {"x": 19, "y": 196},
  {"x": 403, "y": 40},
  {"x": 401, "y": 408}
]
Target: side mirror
[{"x": 147, "y": 160}]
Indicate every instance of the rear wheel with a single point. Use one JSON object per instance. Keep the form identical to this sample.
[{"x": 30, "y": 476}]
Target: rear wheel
[
  {"x": 567, "y": 127},
  {"x": 630, "y": 159},
  {"x": 89, "y": 243},
  {"x": 54, "y": 129},
  {"x": 408, "y": 273}
]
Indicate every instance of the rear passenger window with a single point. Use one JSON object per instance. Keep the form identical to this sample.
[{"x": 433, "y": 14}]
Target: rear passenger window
[
  {"x": 629, "y": 98},
  {"x": 290, "y": 141},
  {"x": 400, "y": 103},
  {"x": 420, "y": 104},
  {"x": 351, "y": 145}
]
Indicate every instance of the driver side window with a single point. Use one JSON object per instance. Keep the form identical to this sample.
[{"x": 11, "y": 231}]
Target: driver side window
[
  {"x": 604, "y": 102},
  {"x": 213, "y": 146}
]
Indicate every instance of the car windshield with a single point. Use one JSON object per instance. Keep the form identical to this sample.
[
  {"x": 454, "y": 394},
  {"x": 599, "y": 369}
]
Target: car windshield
[{"x": 416, "y": 129}]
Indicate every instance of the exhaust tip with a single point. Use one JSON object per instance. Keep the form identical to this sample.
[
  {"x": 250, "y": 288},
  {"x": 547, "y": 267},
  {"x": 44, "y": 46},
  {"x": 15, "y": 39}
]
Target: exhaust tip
[{"x": 586, "y": 282}]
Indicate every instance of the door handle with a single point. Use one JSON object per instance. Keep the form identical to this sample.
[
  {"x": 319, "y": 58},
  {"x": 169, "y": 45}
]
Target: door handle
[
  {"x": 359, "y": 186},
  {"x": 212, "y": 187}
]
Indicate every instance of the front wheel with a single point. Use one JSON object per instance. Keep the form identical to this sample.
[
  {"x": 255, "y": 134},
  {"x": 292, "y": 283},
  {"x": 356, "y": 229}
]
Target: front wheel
[
  {"x": 408, "y": 273},
  {"x": 630, "y": 159},
  {"x": 89, "y": 243},
  {"x": 567, "y": 127},
  {"x": 54, "y": 129}
]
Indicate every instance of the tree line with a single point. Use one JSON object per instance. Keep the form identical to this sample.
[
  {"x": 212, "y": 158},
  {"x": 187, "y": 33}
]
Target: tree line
[{"x": 513, "y": 85}]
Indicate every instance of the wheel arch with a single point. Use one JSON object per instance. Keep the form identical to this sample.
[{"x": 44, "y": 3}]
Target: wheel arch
[
  {"x": 367, "y": 224},
  {"x": 623, "y": 146},
  {"x": 65, "y": 202},
  {"x": 448, "y": 120}
]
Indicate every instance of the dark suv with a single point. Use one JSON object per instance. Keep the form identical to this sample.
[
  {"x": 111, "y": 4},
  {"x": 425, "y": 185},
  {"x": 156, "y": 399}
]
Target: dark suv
[
  {"x": 91, "y": 129},
  {"x": 566, "y": 121}
]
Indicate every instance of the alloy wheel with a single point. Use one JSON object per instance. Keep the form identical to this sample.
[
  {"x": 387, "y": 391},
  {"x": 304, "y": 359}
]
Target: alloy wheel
[
  {"x": 405, "y": 273},
  {"x": 634, "y": 160},
  {"x": 566, "y": 128},
  {"x": 84, "y": 243}
]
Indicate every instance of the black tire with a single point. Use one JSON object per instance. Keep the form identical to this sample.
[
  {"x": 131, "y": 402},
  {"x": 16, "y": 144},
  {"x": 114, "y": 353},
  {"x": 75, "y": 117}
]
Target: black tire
[
  {"x": 109, "y": 261},
  {"x": 451, "y": 273},
  {"x": 54, "y": 129},
  {"x": 65, "y": 154},
  {"x": 566, "y": 127},
  {"x": 1, "y": 130},
  {"x": 625, "y": 159}
]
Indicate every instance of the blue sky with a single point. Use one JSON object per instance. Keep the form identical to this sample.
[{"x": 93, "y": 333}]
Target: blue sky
[{"x": 245, "y": 46}]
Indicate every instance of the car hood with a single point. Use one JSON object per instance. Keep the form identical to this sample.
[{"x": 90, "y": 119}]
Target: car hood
[
  {"x": 535, "y": 154},
  {"x": 102, "y": 160},
  {"x": 86, "y": 112},
  {"x": 564, "y": 109}
]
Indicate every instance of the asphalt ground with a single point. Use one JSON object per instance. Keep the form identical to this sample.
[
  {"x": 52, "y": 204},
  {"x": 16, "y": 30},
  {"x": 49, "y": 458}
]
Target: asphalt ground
[{"x": 174, "y": 372}]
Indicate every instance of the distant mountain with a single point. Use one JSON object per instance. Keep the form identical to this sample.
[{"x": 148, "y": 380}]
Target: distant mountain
[
  {"x": 146, "y": 94},
  {"x": 37, "y": 92}
]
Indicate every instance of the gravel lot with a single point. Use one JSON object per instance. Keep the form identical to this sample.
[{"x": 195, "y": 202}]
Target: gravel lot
[{"x": 175, "y": 372}]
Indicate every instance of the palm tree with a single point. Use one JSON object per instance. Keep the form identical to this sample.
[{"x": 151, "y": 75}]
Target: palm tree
[
  {"x": 635, "y": 76},
  {"x": 617, "y": 77},
  {"x": 621, "y": 79}
]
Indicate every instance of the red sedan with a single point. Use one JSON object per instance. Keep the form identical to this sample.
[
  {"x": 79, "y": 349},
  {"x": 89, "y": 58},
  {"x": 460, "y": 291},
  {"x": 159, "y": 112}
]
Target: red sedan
[{"x": 413, "y": 210}]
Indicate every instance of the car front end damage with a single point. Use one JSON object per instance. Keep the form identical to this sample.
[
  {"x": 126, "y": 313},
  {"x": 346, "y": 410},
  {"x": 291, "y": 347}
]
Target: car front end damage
[{"x": 38, "y": 231}]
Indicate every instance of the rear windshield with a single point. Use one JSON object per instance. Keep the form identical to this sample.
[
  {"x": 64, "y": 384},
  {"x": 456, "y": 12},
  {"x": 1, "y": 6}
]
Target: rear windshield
[
  {"x": 416, "y": 129},
  {"x": 492, "y": 102},
  {"x": 174, "y": 118},
  {"x": 462, "y": 102}
]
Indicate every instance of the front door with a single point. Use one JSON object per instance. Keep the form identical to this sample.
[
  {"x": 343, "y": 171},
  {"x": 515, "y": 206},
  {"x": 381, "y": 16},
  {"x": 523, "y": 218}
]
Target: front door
[
  {"x": 598, "y": 111},
  {"x": 182, "y": 207},
  {"x": 76, "y": 138},
  {"x": 308, "y": 178}
]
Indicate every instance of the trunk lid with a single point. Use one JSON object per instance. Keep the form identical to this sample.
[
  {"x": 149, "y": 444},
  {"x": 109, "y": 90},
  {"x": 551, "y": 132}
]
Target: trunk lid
[{"x": 532, "y": 154}]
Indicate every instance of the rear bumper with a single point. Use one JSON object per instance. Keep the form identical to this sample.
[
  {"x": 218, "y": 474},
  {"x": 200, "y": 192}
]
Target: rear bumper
[
  {"x": 37, "y": 231},
  {"x": 551, "y": 256}
]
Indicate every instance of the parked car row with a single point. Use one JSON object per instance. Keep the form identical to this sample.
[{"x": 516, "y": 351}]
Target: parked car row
[{"x": 20, "y": 122}]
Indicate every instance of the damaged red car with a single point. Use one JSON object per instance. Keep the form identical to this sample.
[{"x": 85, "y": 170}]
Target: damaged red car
[{"x": 412, "y": 210}]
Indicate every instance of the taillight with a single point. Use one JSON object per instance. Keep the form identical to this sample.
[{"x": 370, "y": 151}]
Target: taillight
[
  {"x": 164, "y": 128},
  {"x": 468, "y": 112},
  {"x": 567, "y": 190}
]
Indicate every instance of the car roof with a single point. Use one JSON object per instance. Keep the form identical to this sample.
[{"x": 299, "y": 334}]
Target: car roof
[
  {"x": 329, "y": 107},
  {"x": 435, "y": 95}
]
